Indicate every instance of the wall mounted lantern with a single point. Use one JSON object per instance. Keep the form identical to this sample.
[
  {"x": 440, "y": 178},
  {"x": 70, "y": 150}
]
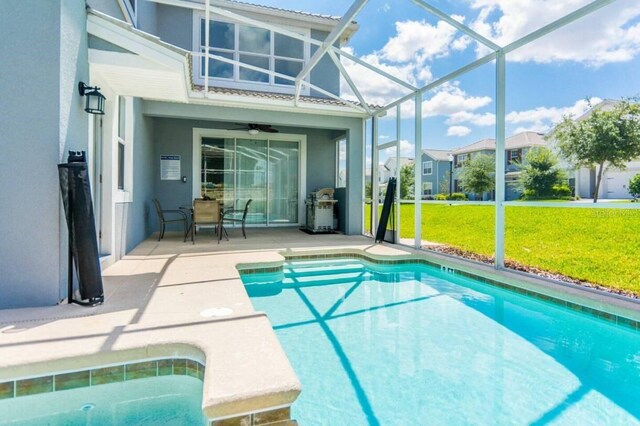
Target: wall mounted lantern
[{"x": 95, "y": 99}]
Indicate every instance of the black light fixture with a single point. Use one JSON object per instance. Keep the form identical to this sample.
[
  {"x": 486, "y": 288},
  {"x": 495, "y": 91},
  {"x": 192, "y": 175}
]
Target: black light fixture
[{"x": 95, "y": 99}]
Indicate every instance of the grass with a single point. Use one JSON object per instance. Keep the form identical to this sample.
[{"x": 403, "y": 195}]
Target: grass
[{"x": 599, "y": 246}]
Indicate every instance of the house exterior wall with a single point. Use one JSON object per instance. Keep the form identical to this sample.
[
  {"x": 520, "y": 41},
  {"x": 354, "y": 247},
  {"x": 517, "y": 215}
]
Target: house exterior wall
[
  {"x": 139, "y": 223},
  {"x": 324, "y": 75},
  {"x": 108, "y": 7},
  {"x": 175, "y": 137},
  {"x": 174, "y": 25},
  {"x": 321, "y": 157},
  {"x": 440, "y": 174},
  {"x": 40, "y": 122}
]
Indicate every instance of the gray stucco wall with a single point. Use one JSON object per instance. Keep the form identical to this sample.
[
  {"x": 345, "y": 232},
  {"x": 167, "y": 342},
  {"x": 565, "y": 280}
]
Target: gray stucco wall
[
  {"x": 100, "y": 44},
  {"x": 109, "y": 7},
  {"x": 175, "y": 26},
  {"x": 324, "y": 75},
  {"x": 140, "y": 214},
  {"x": 42, "y": 117},
  {"x": 147, "y": 16},
  {"x": 173, "y": 136}
]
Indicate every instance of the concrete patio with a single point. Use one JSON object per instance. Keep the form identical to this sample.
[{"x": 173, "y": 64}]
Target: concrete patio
[{"x": 175, "y": 298}]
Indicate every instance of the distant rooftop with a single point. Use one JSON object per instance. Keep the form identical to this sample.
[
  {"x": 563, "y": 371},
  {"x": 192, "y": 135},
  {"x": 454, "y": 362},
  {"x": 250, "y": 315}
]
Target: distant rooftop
[{"x": 520, "y": 140}]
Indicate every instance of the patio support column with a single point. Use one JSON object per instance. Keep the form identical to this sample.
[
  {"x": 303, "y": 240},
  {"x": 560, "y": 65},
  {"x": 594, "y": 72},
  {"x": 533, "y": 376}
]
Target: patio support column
[
  {"x": 207, "y": 16},
  {"x": 398, "y": 205},
  {"x": 500, "y": 159},
  {"x": 375, "y": 187},
  {"x": 418, "y": 172}
]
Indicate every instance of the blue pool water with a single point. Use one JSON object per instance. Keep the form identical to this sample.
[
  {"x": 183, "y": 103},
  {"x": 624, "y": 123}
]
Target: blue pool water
[
  {"x": 157, "y": 401},
  {"x": 408, "y": 344}
]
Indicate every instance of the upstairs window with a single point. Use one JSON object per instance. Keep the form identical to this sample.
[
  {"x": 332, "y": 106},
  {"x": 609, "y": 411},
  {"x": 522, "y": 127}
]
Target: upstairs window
[
  {"x": 427, "y": 167},
  {"x": 461, "y": 159},
  {"x": 514, "y": 156},
  {"x": 254, "y": 46}
]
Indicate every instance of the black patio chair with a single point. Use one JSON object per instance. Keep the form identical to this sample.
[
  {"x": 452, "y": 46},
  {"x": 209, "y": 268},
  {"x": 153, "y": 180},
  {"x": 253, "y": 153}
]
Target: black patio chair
[
  {"x": 233, "y": 216},
  {"x": 163, "y": 221}
]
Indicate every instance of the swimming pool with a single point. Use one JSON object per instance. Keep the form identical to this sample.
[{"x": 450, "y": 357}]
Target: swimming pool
[{"x": 409, "y": 344}]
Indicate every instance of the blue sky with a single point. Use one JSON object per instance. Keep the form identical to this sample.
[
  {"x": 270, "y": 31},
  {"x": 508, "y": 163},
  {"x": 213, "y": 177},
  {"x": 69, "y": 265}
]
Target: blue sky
[{"x": 598, "y": 57}]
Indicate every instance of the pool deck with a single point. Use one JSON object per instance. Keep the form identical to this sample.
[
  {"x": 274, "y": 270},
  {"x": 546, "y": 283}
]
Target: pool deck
[{"x": 155, "y": 297}]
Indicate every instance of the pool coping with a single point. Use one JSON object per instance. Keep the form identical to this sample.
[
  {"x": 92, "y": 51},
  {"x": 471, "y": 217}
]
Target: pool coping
[
  {"x": 608, "y": 306},
  {"x": 239, "y": 388}
]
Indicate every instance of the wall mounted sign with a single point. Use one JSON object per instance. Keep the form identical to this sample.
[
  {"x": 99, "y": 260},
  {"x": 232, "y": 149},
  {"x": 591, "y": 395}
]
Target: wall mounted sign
[{"x": 170, "y": 167}]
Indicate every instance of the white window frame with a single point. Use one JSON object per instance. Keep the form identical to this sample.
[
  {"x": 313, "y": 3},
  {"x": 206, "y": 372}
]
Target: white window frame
[
  {"x": 236, "y": 82},
  {"x": 427, "y": 186},
  {"x": 510, "y": 156},
  {"x": 124, "y": 195},
  {"x": 338, "y": 142},
  {"x": 427, "y": 165},
  {"x": 196, "y": 165},
  {"x": 461, "y": 159},
  {"x": 132, "y": 11}
]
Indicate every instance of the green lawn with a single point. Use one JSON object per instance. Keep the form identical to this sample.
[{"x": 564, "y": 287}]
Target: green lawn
[{"x": 600, "y": 246}]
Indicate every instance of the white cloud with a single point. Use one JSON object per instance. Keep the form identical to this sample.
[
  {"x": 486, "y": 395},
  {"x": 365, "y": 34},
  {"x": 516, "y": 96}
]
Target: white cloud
[
  {"x": 451, "y": 99},
  {"x": 607, "y": 35},
  {"x": 418, "y": 40},
  {"x": 375, "y": 88},
  {"x": 542, "y": 119},
  {"x": 458, "y": 131},
  {"x": 484, "y": 119},
  {"x": 407, "y": 149}
]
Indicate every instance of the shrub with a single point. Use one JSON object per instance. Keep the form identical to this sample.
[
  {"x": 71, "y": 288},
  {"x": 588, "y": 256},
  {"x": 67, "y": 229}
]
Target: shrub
[
  {"x": 441, "y": 197},
  {"x": 427, "y": 197},
  {"x": 457, "y": 196},
  {"x": 634, "y": 186},
  {"x": 561, "y": 190}
]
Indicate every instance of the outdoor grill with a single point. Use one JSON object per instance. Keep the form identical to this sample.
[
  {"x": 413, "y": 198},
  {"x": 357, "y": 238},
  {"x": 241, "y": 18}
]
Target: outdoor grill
[{"x": 320, "y": 210}]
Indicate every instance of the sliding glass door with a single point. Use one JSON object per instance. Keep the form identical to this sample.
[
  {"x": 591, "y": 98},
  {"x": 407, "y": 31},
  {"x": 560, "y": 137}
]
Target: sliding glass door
[
  {"x": 234, "y": 170},
  {"x": 283, "y": 182},
  {"x": 251, "y": 173}
]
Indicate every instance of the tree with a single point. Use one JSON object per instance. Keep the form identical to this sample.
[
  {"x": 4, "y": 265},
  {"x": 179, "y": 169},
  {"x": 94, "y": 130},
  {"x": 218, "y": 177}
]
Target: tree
[
  {"x": 478, "y": 174},
  {"x": 634, "y": 186},
  {"x": 606, "y": 138},
  {"x": 368, "y": 191},
  {"x": 539, "y": 173},
  {"x": 407, "y": 181}
]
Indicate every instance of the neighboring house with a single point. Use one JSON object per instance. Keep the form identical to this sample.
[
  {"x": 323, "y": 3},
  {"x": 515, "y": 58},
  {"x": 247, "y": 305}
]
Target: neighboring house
[
  {"x": 615, "y": 182},
  {"x": 436, "y": 172},
  {"x": 162, "y": 99},
  {"x": 516, "y": 148}
]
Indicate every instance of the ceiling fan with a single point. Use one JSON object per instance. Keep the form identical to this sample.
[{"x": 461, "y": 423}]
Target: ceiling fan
[{"x": 254, "y": 129}]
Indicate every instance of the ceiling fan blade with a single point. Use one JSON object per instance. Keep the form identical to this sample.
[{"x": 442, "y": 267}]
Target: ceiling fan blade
[{"x": 266, "y": 128}]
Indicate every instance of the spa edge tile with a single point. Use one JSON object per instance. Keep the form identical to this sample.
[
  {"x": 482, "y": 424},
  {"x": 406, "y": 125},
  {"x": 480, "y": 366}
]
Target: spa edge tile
[
  {"x": 101, "y": 376},
  {"x": 140, "y": 370},
  {"x": 234, "y": 421},
  {"x": 192, "y": 368},
  {"x": 269, "y": 417},
  {"x": 34, "y": 386},
  {"x": 77, "y": 379},
  {"x": 179, "y": 367},
  {"x": 6, "y": 390},
  {"x": 165, "y": 367}
]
